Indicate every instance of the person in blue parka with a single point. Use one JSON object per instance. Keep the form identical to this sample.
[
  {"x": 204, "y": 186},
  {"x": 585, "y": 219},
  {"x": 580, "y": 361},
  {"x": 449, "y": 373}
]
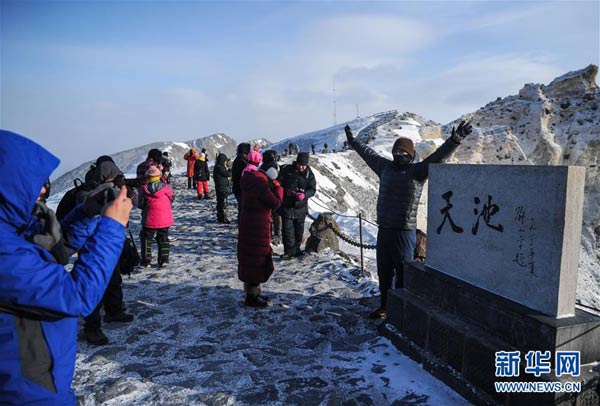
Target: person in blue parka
[{"x": 40, "y": 300}]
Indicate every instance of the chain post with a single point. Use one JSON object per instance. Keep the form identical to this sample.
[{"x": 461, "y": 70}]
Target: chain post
[{"x": 362, "y": 267}]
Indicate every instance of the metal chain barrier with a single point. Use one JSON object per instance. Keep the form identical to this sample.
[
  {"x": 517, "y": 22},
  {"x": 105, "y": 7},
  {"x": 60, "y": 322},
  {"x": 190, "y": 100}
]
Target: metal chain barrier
[
  {"x": 344, "y": 237},
  {"x": 350, "y": 240}
]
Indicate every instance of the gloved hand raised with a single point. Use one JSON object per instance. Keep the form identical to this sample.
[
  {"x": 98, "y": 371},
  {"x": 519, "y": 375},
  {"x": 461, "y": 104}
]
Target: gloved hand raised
[
  {"x": 349, "y": 135},
  {"x": 464, "y": 129},
  {"x": 96, "y": 199},
  {"x": 52, "y": 231}
]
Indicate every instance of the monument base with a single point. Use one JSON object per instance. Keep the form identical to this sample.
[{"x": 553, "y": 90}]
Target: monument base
[{"x": 455, "y": 329}]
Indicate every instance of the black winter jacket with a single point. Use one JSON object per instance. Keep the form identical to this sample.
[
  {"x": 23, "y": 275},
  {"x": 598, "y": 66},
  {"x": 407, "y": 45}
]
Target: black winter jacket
[
  {"x": 221, "y": 175},
  {"x": 239, "y": 163},
  {"x": 201, "y": 172},
  {"x": 292, "y": 181},
  {"x": 400, "y": 186}
]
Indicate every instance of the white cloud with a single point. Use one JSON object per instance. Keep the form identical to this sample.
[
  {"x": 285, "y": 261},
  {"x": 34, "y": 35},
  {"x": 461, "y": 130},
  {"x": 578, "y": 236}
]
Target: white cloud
[{"x": 370, "y": 34}]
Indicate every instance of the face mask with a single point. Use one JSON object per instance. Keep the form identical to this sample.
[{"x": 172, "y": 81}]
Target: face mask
[{"x": 402, "y": 159}]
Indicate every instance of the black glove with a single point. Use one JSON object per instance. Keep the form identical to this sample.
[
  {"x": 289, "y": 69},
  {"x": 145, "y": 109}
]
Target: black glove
[
  {"x": 95, "y": 200},
  {"x": 349, "y": 134},
  {"x": 52, "y": 231},
  {"x": 460, "y": 133}
]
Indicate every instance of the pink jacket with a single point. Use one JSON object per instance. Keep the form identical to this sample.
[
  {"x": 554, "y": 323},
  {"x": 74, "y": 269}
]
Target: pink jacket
[{"x": 156, "y": 205}]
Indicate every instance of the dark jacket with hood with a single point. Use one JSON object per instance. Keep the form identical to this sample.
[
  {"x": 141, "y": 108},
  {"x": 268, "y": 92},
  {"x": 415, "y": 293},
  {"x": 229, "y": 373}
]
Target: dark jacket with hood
[
  {"x": 293, "y": 181},
  {"x": 239, "y": 163},
  {"x": 201, "y": 172},
  {"x": 221, "y": 175},
  {"x": 40, "y": 301},
  {"x": 400, "y": 186}
]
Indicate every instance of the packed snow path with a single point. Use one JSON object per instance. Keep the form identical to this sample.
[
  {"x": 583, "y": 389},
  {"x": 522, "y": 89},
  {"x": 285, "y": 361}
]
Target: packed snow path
[{"x": 193, "y": 342}]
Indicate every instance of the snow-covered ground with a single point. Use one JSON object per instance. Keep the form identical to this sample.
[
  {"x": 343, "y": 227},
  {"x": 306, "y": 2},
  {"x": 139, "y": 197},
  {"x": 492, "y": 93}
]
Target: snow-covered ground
[{"x": 192, "y": 341}]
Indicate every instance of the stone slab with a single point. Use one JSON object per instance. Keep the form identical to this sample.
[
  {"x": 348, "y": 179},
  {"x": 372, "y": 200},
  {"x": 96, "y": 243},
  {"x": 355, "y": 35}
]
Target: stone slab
[
  {"x": 462, "y": 354},
  {"x": 521, "y": 327},
  {"x": 512, "y": 230}
]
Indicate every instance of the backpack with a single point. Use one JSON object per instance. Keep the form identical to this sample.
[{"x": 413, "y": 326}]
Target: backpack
[
  {"x": 69, "y": 200},
  {"x": 130, "y": 258}
]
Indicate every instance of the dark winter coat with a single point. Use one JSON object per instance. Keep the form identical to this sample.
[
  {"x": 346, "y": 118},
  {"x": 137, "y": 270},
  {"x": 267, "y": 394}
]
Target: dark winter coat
[
  {"x": 239, "y": 163},
  {"x": 293, "y": 181},
  {"x": 221, "y": 175},
  {"x": 400, "y": 186},
  {"x": 201, "y": 172},
  {"x": 259, "y": 197},
  {"x": 40, "y": 301},
  {"x": 166, "y": 162}
]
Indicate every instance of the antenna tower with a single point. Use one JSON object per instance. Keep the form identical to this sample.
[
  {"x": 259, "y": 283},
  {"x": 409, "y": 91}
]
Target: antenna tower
[{"x": 334, "y": 107}]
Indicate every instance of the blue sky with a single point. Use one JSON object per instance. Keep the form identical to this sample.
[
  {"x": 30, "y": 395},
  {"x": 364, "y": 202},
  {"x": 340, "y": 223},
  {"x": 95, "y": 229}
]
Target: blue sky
[{"x": 89, "y": 78}]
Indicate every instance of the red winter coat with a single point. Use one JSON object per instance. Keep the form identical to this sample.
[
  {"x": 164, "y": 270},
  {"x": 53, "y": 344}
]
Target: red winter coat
[
  {"x": 255, "y": 264},
  {"x": 191, "y": 159},
  {"x": 156, "y": 205}
]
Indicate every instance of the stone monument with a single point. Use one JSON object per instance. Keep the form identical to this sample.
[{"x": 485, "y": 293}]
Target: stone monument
[{"x": 500, "y": 276}]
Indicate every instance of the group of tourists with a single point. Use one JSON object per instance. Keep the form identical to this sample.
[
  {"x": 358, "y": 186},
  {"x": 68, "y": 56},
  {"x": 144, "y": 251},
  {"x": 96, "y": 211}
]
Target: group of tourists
[{"x": 40, "y": 300}]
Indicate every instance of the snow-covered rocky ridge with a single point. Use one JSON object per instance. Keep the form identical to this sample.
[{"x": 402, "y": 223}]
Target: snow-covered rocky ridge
[{"x": 128, "y": 160}]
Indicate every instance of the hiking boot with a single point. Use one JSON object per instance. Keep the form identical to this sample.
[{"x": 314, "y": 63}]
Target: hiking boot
[
  {"x": 120, "y": 317},
  {"x": 255, "y": 301},
  {"x": 299, "y": 253},
  {"x": 287, "y": 256},
  {"x": 94, "y": 337},
  {"x": 378, "y": 314},
  {"x": 163, "y": 264}
]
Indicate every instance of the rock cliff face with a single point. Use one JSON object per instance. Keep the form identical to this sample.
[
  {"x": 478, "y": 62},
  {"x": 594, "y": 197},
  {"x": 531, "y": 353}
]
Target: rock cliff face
[{"x": 555, "y": 124}]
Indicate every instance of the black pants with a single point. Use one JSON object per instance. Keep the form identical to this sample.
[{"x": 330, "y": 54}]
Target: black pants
[
  {"x": 191, "y": 182},
  {"x": 238, "y": 197},
  {"x": 162, "y": 239},
  {"x": 292, "y": 232},
  {"x": 394, "y": 249},
  {"x": 221, "y": 205},
  {"x": 112, "y": 301},
  {"x": 276, "y": 224}
]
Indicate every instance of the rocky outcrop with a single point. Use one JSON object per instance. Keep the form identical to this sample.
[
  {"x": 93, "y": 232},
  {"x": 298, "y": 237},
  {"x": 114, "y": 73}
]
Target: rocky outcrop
[
  {"x": 554, "y": 124},
  {"x": 322, "y": 235}
]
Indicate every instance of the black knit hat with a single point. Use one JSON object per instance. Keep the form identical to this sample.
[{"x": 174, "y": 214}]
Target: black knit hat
[
  {"x": 155, "y": 154},
  {"x": 303, "y": 158},
  {"x": 269, "y": 156},
  {"x": 404, "y": 144},
  {"x": 243, "y": 148}
]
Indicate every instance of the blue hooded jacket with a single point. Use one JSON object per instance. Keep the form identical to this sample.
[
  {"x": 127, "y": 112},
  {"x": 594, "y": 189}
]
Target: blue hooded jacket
[{"x": 40, "y": 301}]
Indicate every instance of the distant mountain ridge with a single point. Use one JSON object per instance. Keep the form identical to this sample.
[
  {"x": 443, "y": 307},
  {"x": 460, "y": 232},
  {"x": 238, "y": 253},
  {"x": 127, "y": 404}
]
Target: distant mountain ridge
[{"x": 128, "y": 160}]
